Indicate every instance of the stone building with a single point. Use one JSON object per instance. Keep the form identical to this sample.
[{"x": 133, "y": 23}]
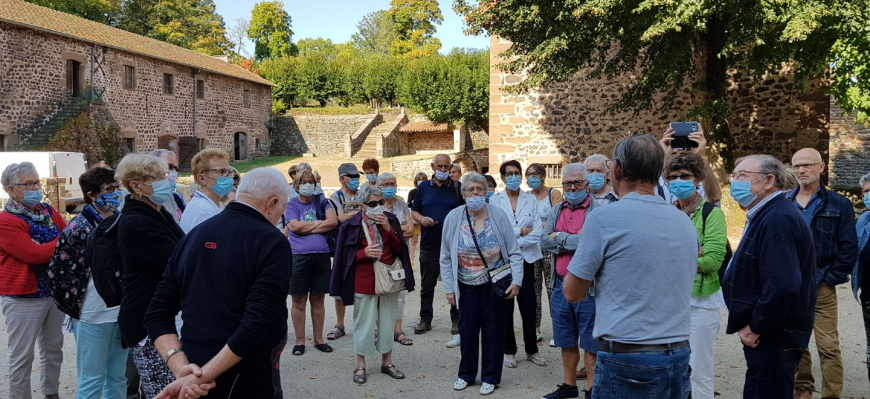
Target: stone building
[
  {"x": 53, "y": 64},
  {"x": 565, "y": 121}
]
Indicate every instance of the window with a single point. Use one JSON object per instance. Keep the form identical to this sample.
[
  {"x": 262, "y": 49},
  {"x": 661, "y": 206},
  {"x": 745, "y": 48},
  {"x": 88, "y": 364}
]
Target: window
[
  {"x": 73, "y": 78},
  {"x": 200, "y": 145},
  {"x": 247, "y": 99},
  {"x": 168, "y": 83},
  {"x": 130, "y": 144},
  {"x": 129, "y": 77},
  {"x": 257, "y": 143},
  {"x": 554, "y": 171},
  {"x": 200, "y": 88}
]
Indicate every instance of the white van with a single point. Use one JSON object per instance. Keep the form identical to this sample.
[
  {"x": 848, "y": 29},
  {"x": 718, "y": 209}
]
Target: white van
[{"x": 67, "y": 165}]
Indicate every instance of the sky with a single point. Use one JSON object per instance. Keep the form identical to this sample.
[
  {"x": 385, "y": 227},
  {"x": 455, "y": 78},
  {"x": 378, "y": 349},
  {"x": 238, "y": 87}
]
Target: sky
[{"x": 337, "y": 19}]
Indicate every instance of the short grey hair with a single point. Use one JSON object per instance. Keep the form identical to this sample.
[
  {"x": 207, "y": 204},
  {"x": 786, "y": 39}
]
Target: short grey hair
[
  {"x": 864, "y": 179},
  {"x": 371, "y": 190},
  {"x": 641, "y": 158},
  {"x": 265, "y": 182},
  {"x": 597, "y": 158},
  {"x": 573, "y": 168},
  {"x": 435, "y": 158},
  {"x": 303, "y": 165},
  {"x": 768, "y": 165},
  {"x": 474, "y": 177},
  {"x": 160, "y": 152},
  {"x": 385, "y": 176},
  {"x": 14, "y": 171}
]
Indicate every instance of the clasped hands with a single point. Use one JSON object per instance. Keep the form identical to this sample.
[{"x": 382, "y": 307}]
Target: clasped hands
[{"x": 189, "y": 383}]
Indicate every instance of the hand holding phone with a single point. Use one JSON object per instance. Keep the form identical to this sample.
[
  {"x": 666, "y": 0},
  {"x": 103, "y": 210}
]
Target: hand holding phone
[{"x": 682, "y": 130}]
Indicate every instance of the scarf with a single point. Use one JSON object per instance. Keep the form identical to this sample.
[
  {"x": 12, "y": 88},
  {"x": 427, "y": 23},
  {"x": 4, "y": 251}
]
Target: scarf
[
  {"x": 39, "y": 215},
  {"x": 374, "y": 232},
  {"x": 692, "y": 207}
]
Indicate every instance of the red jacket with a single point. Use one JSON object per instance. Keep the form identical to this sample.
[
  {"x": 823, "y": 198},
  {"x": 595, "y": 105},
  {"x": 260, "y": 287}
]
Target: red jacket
[{"x": 18, "y": 252}]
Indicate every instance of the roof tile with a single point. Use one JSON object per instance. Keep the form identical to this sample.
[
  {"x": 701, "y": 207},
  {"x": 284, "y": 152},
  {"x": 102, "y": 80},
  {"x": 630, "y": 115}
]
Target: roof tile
[{"x": 425, "y": 126}]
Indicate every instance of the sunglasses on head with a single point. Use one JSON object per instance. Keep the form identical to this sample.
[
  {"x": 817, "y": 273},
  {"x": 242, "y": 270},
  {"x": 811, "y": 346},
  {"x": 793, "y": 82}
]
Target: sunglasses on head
[{"x": 373, "y": 204}]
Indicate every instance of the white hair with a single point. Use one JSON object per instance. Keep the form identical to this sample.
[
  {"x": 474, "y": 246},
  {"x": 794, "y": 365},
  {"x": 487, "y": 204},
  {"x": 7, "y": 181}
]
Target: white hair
[
  {"x": 864, "y": 179},
  {"x": 597, "y": 158},
  {"x": 303, "y": 165},
  {"x": 371, "y": 190},
  {"x": 263, "y": 183},
  {"x": 14, "y": 171},
  {"x": 386, "y": 176},
  {"x": 435, "y": 158},
  {"x": 159, "y": 153},
  {"x": 572, "y": 168},
  {"x": 474, "y": 177}
]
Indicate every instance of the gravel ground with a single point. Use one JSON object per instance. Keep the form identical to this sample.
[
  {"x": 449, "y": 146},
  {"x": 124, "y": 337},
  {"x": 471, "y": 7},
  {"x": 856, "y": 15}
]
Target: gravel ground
[{"x": 431, "y": 367}]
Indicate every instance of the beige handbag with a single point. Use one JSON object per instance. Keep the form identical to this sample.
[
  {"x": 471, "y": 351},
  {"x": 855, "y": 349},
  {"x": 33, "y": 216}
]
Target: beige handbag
[{"x": 388, "y": 278}]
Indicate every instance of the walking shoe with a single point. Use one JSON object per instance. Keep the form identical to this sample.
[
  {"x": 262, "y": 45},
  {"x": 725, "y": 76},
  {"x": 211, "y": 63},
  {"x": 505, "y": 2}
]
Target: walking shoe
[
  {"x": 588, "y": 395},
  {"x": 422, "y": 327},
  {"x": 800, "y": 393},
  {"x": 486, "y": 388},
  {"x": 460, "y": 384},
  {"x": 454, "y": 342},
  {"x": 539, "y": 336},
  {"x": 564, "y": 391},
  {"x": 510, "y": 363},
  {"x": 538, "y": 359},
  {"x": 455, "y": 329},
  {"x": 552, "y": 343}
]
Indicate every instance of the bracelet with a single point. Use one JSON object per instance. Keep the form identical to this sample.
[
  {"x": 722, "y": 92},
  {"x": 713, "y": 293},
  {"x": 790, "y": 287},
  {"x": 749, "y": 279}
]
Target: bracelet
[{"x": 170, "y": 353}]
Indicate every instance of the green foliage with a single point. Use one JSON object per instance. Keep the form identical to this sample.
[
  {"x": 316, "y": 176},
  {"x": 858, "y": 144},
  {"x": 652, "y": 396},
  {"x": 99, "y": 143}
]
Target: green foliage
[
  {"x": 319, "y": 76},
  {"x": 414, "y": 22},
  {"x": 270, "y": 30},
  {"x": 376, "y": 33},
  {"x": 92, "y": 134},
  {"x": 331, "y": 111},
  {"x": 284, "y": 73},
  {"x": 381, "y": 75},
  {"x": 105, "y": 11}
]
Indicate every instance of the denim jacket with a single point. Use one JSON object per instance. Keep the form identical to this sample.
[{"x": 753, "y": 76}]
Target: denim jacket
[
  {"x": 835, "y": 239},
  {"x": 863, "y": 230}
]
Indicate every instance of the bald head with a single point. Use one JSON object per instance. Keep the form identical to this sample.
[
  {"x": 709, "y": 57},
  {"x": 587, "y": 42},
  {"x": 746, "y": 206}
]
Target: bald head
[
  {"x": 441, "y": 163},
  {"x": 808, "y": 166}
]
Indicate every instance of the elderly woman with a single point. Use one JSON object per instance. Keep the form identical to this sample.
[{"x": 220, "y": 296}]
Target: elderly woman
[
  {"x": 684, "y": 173},
  {"x": 861, "y": 274},
  {"x": 28, "y": 234},
  {"x": 370, "y": 236},
  {"x": 397, "y": 206},
  {"x": 547, "y": 198},
  {"x": 213, "y": 175},
  {"x": 455, "y": 171},
  {"x": 101, "y": 362},
  {"x": 482, "y": 242},
  {"x": 308, "y": 217},
  {"x": 419, "y": 178},
  {"x": 147, "y": 235}
]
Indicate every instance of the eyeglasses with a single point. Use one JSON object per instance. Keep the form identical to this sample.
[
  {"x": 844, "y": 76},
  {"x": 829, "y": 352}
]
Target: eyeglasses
[
  {"x": 608, "y": 164},
  {"x": 534, "y": 174},
  {"x": 576, "y": 183},
  {"x": 219, "y": 172},
  {"x": 111, "y": 188},
  {"x": 159, "y": 176},
  {"x": 173, "y": 168},
  {"x": 684, "y": 176},
  {"x": 741, "y": 174},
  {"x": 31, "y": 185},
  {"x": 374, "y": 204},
  {"x": 803, "y": 166},
  {"x": 474, "y": 190},
  {"x": 512, "y": 174},
  {"x": 392, "y": 185}
]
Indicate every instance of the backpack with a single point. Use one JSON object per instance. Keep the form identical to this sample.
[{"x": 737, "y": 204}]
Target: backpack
[
  {"x": 708, "y": 207},
  {"x": 320, "y": 210},
  {"x": 103, "y": 257}
]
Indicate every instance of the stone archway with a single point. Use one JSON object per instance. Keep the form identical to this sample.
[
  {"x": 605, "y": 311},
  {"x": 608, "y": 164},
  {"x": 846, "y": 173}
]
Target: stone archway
[{"x": 468, "y": 163}]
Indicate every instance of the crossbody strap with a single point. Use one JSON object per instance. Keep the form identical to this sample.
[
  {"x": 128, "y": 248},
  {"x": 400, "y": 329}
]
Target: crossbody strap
[{"x": 474, "y": 237}]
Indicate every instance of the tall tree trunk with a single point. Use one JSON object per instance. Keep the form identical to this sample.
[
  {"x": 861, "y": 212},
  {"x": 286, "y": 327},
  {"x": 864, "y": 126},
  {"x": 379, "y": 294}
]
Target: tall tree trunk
[{"x": 716, "y": 111}]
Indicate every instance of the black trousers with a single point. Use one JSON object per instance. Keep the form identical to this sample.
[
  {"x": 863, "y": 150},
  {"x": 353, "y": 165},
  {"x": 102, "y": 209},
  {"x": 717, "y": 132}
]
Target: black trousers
[
  {"x": 133, "y": 380},
  {"x": 430, "y": 269},
  {"x": 276, "y": 369},
  {"x": 481, "y": 321},
  {"x": 770, "y": 366},
  {"x": 527, "y": 302}
]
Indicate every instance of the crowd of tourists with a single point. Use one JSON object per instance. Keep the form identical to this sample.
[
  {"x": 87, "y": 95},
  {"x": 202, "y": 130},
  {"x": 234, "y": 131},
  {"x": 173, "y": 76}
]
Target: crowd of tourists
[{"x": 169, "y": 298}]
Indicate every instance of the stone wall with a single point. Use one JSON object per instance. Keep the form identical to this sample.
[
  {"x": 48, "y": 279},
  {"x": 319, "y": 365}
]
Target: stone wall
[
  {"x": 358, "y": 138},
  {"x": 389, "y": 144},
  {"x": 566, "y": 121},
  {"x": 315, "y": 134},
  {"x": 32, "y": 85},
  {"x": 417, "y": 142},
  {"x": 849, "y": 158}
]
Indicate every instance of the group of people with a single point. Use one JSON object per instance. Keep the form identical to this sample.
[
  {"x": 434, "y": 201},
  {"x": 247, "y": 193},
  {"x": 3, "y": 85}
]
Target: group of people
[{"x": 186, "y": 299}]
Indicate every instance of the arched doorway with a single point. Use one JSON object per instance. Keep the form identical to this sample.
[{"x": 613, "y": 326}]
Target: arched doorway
[{"x": 240, "y": 142}]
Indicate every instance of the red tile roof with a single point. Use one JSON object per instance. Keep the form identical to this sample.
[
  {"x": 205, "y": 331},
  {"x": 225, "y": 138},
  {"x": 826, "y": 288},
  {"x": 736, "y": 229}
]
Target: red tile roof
[{"x": 425, "y": 126}]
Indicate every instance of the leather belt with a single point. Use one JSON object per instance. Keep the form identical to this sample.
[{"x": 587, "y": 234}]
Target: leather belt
[
  {"x": 559, "y": 277},
  {"x": 618, "y": 347}
]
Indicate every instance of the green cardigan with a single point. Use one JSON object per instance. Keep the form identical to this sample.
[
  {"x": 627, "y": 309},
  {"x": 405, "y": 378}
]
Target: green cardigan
[{"x": 713, "y": 242}]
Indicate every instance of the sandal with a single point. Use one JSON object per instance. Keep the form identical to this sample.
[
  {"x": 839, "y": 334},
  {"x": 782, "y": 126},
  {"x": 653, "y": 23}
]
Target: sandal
[
  {"x": 325, "y": 348},
  {"x": 298, "y": 350},
  {"x": 404, "y": 341},
  {"x": 359, "y": 378},
  {"x": 395, "y": 374},
  {"x": 336, "y": 333}
]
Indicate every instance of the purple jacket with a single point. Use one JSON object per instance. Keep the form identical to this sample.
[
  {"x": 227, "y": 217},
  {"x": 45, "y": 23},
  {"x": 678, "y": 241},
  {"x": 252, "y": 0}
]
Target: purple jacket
[{"x": 344, "y": 262}]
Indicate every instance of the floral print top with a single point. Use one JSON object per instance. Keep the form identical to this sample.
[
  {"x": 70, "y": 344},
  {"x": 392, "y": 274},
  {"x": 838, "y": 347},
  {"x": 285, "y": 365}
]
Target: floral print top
[{"x": 68, "y": 275}]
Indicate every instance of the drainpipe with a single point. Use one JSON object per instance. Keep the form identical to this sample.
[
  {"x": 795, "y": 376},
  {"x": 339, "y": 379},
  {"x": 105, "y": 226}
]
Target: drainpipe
[
  {"x": 196, "y": 72},
  {"x": 93, "y": 61}
]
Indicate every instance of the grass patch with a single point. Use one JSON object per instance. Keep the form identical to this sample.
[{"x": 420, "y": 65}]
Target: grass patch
[
  {"x": 246, "y": 166},
  {"x": 331, "y": 111}
]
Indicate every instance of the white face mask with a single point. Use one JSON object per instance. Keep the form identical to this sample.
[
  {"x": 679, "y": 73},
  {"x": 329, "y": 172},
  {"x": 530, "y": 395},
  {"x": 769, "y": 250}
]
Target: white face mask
[{"x": 376, "y": 211}]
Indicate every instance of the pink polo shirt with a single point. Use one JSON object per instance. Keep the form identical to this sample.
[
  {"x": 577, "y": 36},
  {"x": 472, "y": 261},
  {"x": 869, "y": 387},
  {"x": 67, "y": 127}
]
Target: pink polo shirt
[{"x": 571, "y": 222}]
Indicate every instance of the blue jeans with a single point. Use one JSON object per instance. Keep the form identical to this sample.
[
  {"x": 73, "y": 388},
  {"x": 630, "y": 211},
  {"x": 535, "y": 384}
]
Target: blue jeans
[
  {"x": 646, "y": 375},
  {"x": 100, "y": 361},
  {"x": 770, "y": 367}
]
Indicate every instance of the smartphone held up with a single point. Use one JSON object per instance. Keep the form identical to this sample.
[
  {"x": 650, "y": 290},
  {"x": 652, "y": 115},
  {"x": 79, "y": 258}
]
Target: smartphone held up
[{"x": 682, "y": 130}]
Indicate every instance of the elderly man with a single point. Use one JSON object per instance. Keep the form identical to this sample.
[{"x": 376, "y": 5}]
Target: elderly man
[
  {"x": 598, "y": 174},
  {"x": 831, "y": 219},
  {"x": 573, "y": 323},
  {"x": 233, "y": 292},
  {"x": 212, "y": 173},
  {"x": 639, "y": 255},
  {"x": 769, "y": 286},
  {"x": 434, "y": 200}
]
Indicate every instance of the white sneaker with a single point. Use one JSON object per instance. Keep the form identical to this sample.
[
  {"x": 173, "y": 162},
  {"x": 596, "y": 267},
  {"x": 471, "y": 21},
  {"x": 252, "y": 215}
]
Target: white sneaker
[
  {"x": 460, "y": 384},
  {"x": 486, "y": 388},
  {"x": 552, "y": 343},
  {"x": 538, "y": 359},
  {"x": 454, "y": 342}
]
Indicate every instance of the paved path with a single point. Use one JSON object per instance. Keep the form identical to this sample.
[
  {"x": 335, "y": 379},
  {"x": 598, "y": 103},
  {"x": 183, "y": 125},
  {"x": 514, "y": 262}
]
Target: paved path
[{"x": 431, "y": 367}]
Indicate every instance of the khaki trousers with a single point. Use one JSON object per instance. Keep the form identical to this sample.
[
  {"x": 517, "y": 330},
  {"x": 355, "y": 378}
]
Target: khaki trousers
[
  {"x": 828, "y": 343},
  {"x": 33, "y": 322}
]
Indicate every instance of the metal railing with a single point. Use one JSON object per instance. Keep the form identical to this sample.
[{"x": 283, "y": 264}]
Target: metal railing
[{"x": 68, "y": 109}]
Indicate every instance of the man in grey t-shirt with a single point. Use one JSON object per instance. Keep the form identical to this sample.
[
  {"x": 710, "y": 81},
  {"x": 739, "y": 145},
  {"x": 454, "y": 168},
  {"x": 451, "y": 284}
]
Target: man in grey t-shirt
[{"x": 642, "y": 255}]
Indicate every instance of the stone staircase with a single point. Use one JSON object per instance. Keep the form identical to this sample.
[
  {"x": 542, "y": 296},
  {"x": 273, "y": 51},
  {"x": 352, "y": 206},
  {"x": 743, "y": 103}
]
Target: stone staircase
[{"x": 369, "y": 149}]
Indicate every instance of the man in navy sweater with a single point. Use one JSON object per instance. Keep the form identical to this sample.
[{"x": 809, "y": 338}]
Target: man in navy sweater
[
  {"x": 230, "y": 277},
  {"x": 769, "y": 286}
]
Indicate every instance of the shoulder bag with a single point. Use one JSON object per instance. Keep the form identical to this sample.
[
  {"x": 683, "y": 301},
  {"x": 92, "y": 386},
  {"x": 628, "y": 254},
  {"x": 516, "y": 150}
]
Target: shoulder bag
[
  {"x": 388, "y": 278},
  {"x": 501, "y": 278}
]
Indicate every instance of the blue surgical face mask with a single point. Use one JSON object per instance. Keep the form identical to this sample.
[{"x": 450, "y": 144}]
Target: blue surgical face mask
[
  {"x": 318, "y": 189},
  {"x": 513, "y": 182},
  {"x": 867, "y": 200},
  {"x": 596, "y": 180},
  {"x": 163, "y": 191},
  {"x": 31, "y": 198},
  {"x": 353, "y": 184},
  {"x": 418, "y": 183},
  {"x": 741, "y": 191},
  {"x": 476, "y": 202},
  {"x": 108, "y": 202},
  {"x": 389, "y": 192},
  {"x": 307, "y": 189},
  {"x": 372, "y": 177},
  {"x": 534, "y": 182},
  {"x": 173, "y": 175},
  {"x": 489, "y": 194},
  {"x": 442, "y": 176},
  {"x": 682, "y": 189},
  {"x": 222, "y": 186},
  {"x": 575, "y": 198}
]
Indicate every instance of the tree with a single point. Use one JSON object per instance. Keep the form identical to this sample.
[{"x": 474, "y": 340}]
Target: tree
[
  {"x": 190, "y": 24},
  {"x": 104, "y": 11},
  {"x": 675, "y": 45},
  {"x": 284, "y": 72},
  {"x": 381, "y": 75},
  {"x": 270, "y": 31},
  {"x": 376, "y": 33},
  {"x": 237, "y": 35},
  {"x": 319, "y": 73},
  {"x": 415, "y": 21}
]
